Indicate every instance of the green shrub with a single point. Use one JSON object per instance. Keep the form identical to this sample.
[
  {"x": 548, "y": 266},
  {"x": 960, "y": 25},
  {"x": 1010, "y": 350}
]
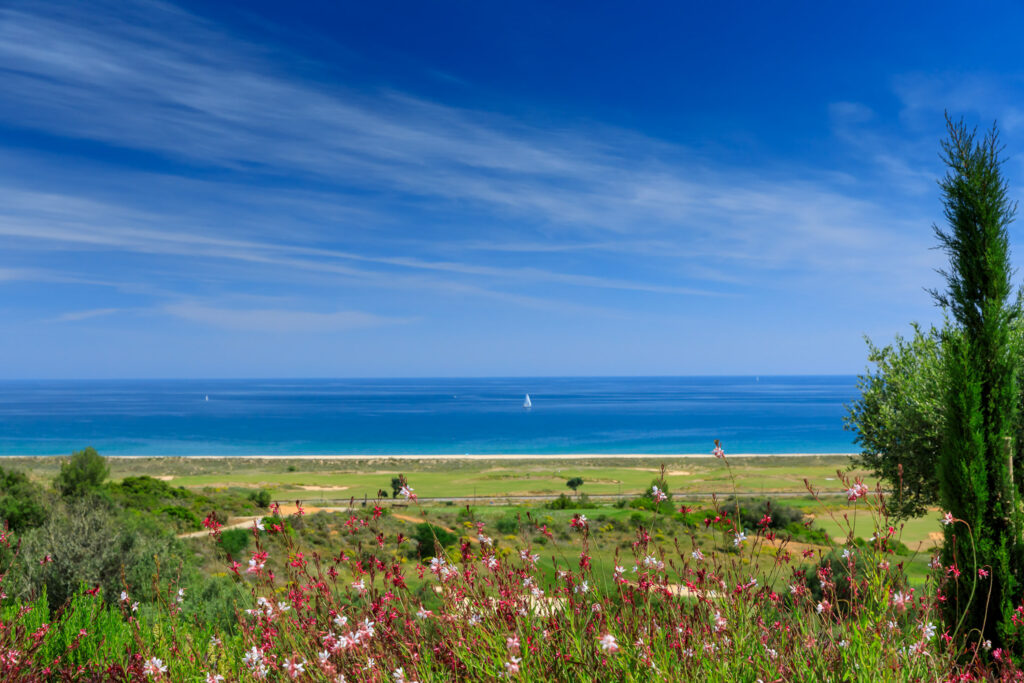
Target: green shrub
[
  {"x": 261, "y": 498},
  {"x": 425, "y": 539},
  {"x": 564, "y": 502},
  {"x": 507, "y": 525},
  {"x": 83, "y": 472},
  {"x": 184, "y": 518},
  {"x": 808, "y": 534},
  {"x": 90, "y": 543},
  {"x": 235, "y": 541},
  {"x": 752, "y": 511},
  {"x": 21, "y": 501}
]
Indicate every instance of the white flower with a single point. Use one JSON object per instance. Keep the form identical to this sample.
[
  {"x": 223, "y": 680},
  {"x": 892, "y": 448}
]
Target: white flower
[
  {"x": 124, "y": 596},
  {"x": 181, "y": 595},
  {"x": 253, "y": 657},
  {"x": 214, "y": 678},
  {"x": 360, "y": 586},
  {"x": 697, "y": 554},
  {"x": 154, "y": 667},
  {"x": 739, "y": 538},
  {"x": 423, "y": 613},
  {"x": 608, "y": 643},
  {"x": 928, "y": 630},
  {"x": 340, "y": 621},
  {"x": 323, "y": 656},
  {"x": 258, "y": 523},
  {"x": 406, "y": 492}
]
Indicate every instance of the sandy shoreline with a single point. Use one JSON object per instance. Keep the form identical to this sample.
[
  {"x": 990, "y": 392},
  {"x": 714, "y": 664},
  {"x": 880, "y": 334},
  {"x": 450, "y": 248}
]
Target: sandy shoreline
[{"x": 464, "y": 456}]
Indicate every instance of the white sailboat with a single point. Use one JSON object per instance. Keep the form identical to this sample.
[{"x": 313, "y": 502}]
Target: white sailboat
[
  {"x": 207, "y": 398},
  {"x": 527, "y": 403}
]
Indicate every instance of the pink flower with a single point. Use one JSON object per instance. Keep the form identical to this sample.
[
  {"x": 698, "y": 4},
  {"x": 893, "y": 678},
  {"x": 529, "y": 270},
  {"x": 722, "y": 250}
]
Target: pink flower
[
  {"x": 608, "y": 644},
  {"x": 947, "y": 520},
  {"x": 512, "y": 666},
  {"x": 658, "y": 494},
  {"x": 718, "y": 452},
  {"x": 858, "y": 490},
  {"x": 983, "y": 573}
]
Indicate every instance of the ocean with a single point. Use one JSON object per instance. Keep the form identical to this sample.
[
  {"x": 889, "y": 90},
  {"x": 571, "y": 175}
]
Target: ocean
[{"x": 662, "y": 415}]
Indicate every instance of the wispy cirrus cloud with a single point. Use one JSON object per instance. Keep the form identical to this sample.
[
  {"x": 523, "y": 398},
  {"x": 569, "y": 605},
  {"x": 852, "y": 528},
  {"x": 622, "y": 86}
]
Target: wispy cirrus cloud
[
  {"x": 279, "y": 320},
  {"x": 76, "y": 316},
  {"x": 140, "y": 82}
]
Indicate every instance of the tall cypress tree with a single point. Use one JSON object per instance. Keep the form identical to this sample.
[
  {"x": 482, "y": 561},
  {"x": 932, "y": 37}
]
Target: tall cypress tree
[{"x": 975, "y": 465}]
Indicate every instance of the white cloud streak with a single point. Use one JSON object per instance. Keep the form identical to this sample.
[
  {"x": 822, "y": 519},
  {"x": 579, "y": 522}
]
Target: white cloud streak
[{"x": 279, "y": 320}]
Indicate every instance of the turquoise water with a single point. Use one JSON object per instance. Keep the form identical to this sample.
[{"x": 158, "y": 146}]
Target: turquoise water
[{"x": 427, "y": 416}]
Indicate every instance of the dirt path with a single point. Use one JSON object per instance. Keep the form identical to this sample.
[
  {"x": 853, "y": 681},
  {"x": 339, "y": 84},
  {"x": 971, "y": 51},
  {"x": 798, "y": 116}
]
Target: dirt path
[{"x": 419, "y": 520}]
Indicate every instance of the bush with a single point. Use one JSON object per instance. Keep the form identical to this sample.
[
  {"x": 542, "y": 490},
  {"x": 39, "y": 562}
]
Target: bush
[
  {"x": 753, "y": 511},
  {"x": 808, "y": 534},
  {"x": 564, "y": 502},
  {"x": 235, "y": 541},
  {"x": 84, "y": 472},
  {"x": 508, "y": 524},
  {"x": 89, "y": 543},
  {"x": 184, "y": 518},
  {"x": 261, "y": 498},
  {"x": 21, "y": 501},
  {"x": 425, "y": 539}
]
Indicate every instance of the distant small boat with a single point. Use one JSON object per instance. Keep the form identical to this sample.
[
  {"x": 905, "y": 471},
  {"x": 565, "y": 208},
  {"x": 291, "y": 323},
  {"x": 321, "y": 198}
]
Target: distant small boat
[
  {"x": 527, "y": 403},
  {"x": 207, "y": 398}
]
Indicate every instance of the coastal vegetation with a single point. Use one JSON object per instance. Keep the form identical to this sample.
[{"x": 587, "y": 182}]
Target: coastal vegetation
[{"x": 637, "y": 588}]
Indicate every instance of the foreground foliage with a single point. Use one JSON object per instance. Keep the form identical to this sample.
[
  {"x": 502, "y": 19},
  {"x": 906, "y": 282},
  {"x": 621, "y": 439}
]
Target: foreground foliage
[{"x": 743, "y": 604}]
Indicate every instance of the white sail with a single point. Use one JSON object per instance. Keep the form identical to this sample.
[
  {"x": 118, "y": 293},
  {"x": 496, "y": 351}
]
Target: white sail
[{"x": 527, "y": 403}]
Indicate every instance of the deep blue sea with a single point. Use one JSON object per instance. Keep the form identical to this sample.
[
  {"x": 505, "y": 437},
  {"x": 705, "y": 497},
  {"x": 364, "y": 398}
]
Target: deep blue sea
[{"x": 427, "y": 416}]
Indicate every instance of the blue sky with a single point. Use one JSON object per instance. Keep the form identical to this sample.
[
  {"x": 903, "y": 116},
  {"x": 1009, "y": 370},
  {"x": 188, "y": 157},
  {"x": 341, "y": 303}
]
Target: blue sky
[{"x": 256, "y": 189}]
